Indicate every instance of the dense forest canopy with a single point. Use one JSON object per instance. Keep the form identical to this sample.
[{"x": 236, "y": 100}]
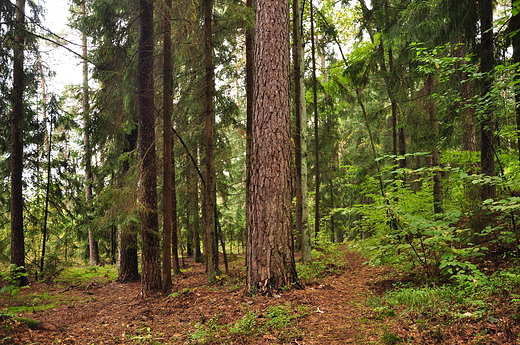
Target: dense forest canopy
[{"x": 398, "y": 123}]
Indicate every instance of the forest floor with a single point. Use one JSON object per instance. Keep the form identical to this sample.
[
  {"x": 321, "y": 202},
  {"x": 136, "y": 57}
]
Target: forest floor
[{"x": 334, "y": 309}]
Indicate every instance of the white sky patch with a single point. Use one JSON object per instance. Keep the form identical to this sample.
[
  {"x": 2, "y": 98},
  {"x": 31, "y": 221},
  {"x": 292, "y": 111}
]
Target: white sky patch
[{"x": 64, "y": 63}]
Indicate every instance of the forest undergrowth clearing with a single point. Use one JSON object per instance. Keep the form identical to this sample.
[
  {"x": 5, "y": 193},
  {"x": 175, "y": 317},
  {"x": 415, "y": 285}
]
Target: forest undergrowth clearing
[{"x": 337, "y": 308}]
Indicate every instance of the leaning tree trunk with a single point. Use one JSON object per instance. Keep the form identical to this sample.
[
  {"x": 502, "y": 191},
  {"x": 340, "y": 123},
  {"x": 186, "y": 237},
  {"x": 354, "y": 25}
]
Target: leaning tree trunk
[
  {"x": 16, "y": 159},
  {"x": 47, "y": 150},
  {"x": 269, "y": 254},
  {"x": 151, "y": 269}
]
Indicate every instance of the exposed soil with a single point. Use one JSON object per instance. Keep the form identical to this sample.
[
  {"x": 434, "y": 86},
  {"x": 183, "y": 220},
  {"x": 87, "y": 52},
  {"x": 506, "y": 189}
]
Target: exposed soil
[{"x": 336, "y": 312}]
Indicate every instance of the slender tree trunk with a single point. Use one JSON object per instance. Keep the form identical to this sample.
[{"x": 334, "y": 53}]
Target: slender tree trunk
[
  {"x": 192, "y": 210},
  {"x": 210, "y": 240},
  {"x": 113, "y": 244},
  {"x": 175, "y": 224},
  {"x": 467, "y": 91},
  {"x": 436, "y": 156},
  {"x": 300, "y": 137},
  {"x": 249, "y": 104},
  {"x": 398, "y": 133},
  {"x": 48, "y": 140},
  {"x": 487, "y": 63},
  {"x": 151, "y": 269},
  {"x": 87, "y": 151},
  {"x": 317, "y": 171},
  {"x": 167, "y": 148},
  {"x": 16, "y": 158},
  {"x": 270, "y": 257},
  {"x": 515, "y": 27}
]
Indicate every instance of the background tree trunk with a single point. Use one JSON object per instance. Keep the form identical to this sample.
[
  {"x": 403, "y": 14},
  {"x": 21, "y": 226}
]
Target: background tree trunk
[
  {"x": 300, "y": 137},
  {"x": 16, "y": 158},
  {"x": 249, "y": 104},
  {"x": 127, "y": 236},
  {"x": 487, "y": 124},
  {"x": 270, "y": 256},
  {"x": 317, "y": 171},
  {"x": 87, "y": 151},
  {"x": 436, "y": 155},
  {"x": 150, "y": 261},
  {"x": 168, "y": 176},
  {"x": 210, "y": 240},
  {"x": 514, "y": 27},
  {"x": 47, "y": 150}
]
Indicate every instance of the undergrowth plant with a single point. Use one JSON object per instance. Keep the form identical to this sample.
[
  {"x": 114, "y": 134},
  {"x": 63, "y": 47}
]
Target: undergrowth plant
[
  {"x": 454, "y": 302},
  {"x": 327, "y": 259},
  {"x": 11, "y": 278},
  {"x": 408, "y": 234},
  {"x": 276, "y": 322}
]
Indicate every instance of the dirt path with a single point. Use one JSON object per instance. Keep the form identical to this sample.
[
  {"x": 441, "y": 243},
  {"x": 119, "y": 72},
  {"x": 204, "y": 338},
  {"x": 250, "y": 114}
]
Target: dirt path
[{"x": 333, "y": 310}]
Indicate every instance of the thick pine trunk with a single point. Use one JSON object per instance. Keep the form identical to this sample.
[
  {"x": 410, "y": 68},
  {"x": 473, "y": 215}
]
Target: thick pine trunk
[
  {"x": 150, "y": 261},
  {"x": 128, "y": 259},
  {"x": 270, "y": 256},
  {"x": 16, "y": 158}
]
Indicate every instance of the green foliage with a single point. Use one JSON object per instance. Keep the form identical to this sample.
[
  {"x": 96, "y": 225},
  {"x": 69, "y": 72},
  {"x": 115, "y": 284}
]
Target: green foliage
[
  {"x": 247, "y": 325},
  {"x": 29, "y": 322},
  {"x": 279, "y": 316},
  {"x": 141, "y": 335},
  {"x": 205, "y": 332},
  {"x": 180, "y": 292},
  {"x": 326, "y": 259},
  {"x": 88, "y": 274},
  {"x": 12, "y": 278},
  {"x": 390, "y": 339},
  {"x": 408, "y": 234},
  {"x": 450, "y": 303},
  {"x": 277, "y": 320}
]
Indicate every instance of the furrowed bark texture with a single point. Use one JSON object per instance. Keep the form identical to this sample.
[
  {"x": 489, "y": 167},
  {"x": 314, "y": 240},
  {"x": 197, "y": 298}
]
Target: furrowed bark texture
[
  {"x": 210, "y": 237},
  {"x": 168, "y": 176},
  {"x": 16, "y": 159},
  {"x": 151, "y": 266},
  {"x": 270, "y": 258}
]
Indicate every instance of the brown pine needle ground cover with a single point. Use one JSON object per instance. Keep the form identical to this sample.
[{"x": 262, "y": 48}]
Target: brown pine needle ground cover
[{"x": 334, "y": 309}]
